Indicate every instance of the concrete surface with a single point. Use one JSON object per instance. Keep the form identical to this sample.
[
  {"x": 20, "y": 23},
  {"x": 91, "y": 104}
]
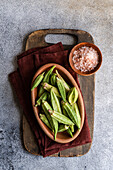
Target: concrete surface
[{"x": 18, "y": 18}]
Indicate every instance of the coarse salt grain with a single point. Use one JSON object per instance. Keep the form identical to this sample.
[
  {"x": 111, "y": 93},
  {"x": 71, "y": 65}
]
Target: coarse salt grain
[{"x": 85, "y": 59}]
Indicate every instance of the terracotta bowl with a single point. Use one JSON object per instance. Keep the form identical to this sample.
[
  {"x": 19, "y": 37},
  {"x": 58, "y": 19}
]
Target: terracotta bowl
[
  {"x": 62, "y": 137},
  {"x": 88, "y": 45}
]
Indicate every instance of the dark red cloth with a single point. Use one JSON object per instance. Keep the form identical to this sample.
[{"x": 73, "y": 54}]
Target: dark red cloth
[{"x": 21, "y": 79}]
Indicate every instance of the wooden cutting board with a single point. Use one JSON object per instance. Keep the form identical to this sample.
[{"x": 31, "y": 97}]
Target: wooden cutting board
[{"x": 87, "y": 84}]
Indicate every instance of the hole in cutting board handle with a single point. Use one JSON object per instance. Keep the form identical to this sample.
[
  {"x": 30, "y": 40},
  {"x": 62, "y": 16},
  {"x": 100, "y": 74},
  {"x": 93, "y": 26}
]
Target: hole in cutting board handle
[{"x": 66, "y": 39}]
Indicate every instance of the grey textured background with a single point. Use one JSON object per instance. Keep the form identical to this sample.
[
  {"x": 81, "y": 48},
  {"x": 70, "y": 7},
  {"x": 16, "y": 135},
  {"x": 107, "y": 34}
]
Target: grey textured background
[{"x": 18, "y": 18}]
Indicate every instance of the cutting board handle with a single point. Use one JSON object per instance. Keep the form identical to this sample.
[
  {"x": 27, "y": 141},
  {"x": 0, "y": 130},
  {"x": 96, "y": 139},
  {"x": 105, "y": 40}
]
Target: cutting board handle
[{"x": 37, "y": 38}]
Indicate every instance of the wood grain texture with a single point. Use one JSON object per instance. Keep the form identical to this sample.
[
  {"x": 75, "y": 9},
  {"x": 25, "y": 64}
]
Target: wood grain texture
[{"x": 37, "y": 39}]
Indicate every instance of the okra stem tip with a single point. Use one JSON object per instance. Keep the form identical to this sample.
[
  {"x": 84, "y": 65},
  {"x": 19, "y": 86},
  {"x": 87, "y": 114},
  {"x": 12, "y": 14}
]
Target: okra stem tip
[
  {"x": 43, "y": 101},
  {"x": 63, "y": 102},
  {"x": 50, "y": 111}
]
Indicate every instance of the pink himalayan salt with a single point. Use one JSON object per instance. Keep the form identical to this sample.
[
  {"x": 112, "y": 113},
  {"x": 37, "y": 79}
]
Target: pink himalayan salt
[{"x": 85, "y": 59}]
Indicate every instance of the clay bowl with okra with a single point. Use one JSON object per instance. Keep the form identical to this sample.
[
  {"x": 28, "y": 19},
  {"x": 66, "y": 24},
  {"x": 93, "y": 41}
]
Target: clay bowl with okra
[{"x": 62, "y": 137}]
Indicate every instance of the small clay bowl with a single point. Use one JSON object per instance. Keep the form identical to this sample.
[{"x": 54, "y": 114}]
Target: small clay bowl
[
  {"x": 88, "y": 73},
  {"x": 62, "y": 137}
]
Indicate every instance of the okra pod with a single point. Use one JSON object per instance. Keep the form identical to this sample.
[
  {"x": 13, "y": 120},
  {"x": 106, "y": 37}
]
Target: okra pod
[
  {"x": 37, "y": 81},
  {"x": 42, "y": 97},
  {"x": 53, "y": 122},
  {"x": 40, "y": 91},
  {"x": 70, "y": 132},
  {"x": 45, "y": 107},
  {"x": 71, "y": 113},
  {"x": 63, "y": 110},
  {"x": 60, "y": 118},
  {"x": 62, "y": 128},
  {"x": 61, "y": 89},
  {"x": 72, "y": 128},
  {"x": 72, "y": 95},
  {"x": 55, "y": 102},
  {"x": 48, "y": 87},
  {"x": 75, "y": 108},
  {"x": 45, "y": 120},
  {"x": 53, "y": 79},
  {"x": 66, "y": 114},
  {"x": 46, "y": 79},
  {"x": 67, "y": 87},
  {"x": 47, "y": 75}
]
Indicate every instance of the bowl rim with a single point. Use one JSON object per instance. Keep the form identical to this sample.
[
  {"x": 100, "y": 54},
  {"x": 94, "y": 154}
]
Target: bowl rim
[
  {"x": 44, "y": 67},
  {"x": 98, "y": 65}
]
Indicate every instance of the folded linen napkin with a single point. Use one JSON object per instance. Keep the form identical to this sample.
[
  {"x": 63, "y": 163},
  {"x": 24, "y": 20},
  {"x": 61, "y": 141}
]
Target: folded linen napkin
[{"x": 28, "y": 63}]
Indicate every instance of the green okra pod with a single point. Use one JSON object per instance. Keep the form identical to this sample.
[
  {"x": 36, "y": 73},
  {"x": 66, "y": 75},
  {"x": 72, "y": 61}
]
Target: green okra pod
[
  {"x": 56, "y": 128},
  {"x": 45, "y": 120},
  {"x": 71, "y": 113},
  {"x": 75, "y": 108},
  {"x": 61, "y": 88},
  {"x": 45, "y": 107},
  {"x": 67, "y": 87},
  {"x": 53, "y": 79},
  {"x": 53, "y": 122},
  {"x": 55, "y": 101},
  {"x": 72, "y": 128},
  {"x": 62, "y": 128},
  {"x": 72, "y": 95},
  {"x": 37, "y": 81},
  {"x": 60, "y": 118},
  {"x": 64, "y": 112},
  {"x": 48, "y": 87},
  {"x": 42, "y": 97},
  {"x": 40, "y": 91},
  {"x": 48, "y": 74},
  {"x": 46, "y": 79},
  {"x": 70, "y": 132}
]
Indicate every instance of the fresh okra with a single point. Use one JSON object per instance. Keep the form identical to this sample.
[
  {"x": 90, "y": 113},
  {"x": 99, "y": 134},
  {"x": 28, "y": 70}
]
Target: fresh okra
[
  {"x": 66, "y": 114},
  {"x": 48, "y": 87},
  {"x": 53, "y": 79},
  {"x": 53, "y": 122},
  {"x": 63, "y": 110},
  {"x": 67, "y": 87},
  {"x": 61, "y": 89},
  {"x": 46, "y": 79},
  {"x": 70, "y": 132},
  {"x": 41, "y": 91},
  {"x": 47, "y": 76},
  {"x": 42, "y": 97},
  {"x": 45, "y": 107},
  {"x": 45, "y": 120},
  {"x": 55, "y": 101},
  {"x": 72, "y": 95},
  {"x": 56, "y": 128},
  {"x": 71, "y": 113},
  {"x": 75, "y": 108},
  {"x": 60, "y": 118},
  {"x": 72, "y": 128},
  {"x": 37, "y": 81},
  {"x": 62, "y": 128}
]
